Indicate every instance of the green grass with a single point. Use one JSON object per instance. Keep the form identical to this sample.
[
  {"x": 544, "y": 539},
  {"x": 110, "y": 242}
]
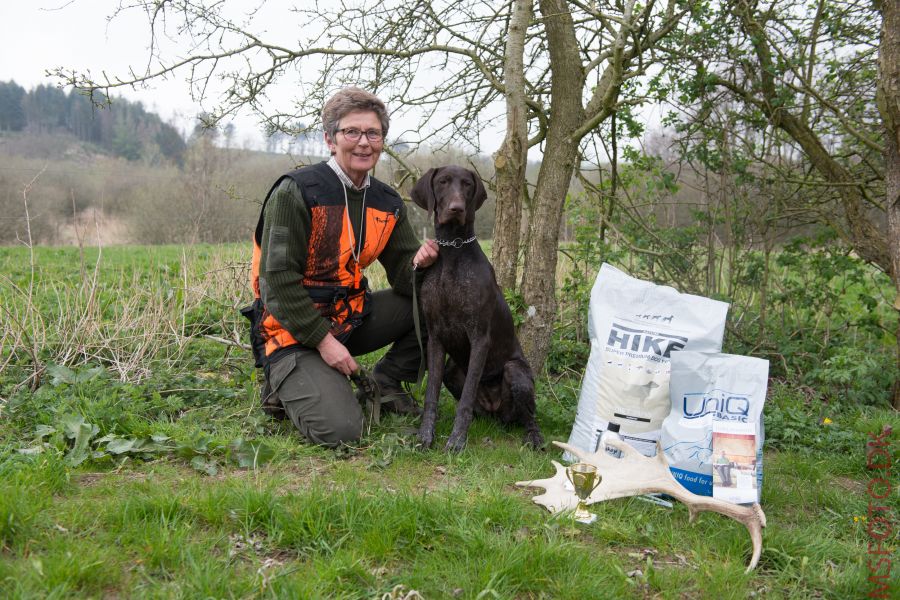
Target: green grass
[{"x": 133, "y": 486}]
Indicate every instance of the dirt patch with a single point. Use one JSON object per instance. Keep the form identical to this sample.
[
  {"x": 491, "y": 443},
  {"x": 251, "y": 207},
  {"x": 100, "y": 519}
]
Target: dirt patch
[
  {"x": 299, "y": 473},
  {"x": 92, "y": 479},
  {"x": 851, "y": 485}
]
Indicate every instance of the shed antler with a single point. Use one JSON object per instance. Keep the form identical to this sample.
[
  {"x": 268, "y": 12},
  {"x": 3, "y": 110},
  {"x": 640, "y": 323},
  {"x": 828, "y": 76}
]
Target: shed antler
[{"x": 634, "y": 474}]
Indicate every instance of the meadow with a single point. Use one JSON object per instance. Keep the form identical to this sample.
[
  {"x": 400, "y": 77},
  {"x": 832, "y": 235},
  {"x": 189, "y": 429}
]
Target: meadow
[{"x": 135, "y": 463}]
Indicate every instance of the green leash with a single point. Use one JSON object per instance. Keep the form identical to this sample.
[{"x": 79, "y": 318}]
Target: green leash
[
  {"x": 418, "y": 327},
  {"x": 367, "y": 391},
  {"x": 368, "y": 394}
]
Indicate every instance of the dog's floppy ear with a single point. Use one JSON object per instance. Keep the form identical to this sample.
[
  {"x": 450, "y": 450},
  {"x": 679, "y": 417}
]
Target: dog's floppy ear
[
  {"x": 423, "y": 192},
  {"x": 480, "y": 194}
]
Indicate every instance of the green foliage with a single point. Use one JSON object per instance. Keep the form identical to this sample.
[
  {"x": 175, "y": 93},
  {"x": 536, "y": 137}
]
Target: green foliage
[
  {"x": 790, "y": 424},
  {"x": 583, "y": 256},
  {"x": 855, "y": 375},
  {"x": 27, "y": 485},
  {"x": 88, "y": 419},
  {"x": 828, "y": 322},
  {"x": 124, "y": 143},
  {"x": 18, "y": 510},
  {"x": 516, "y": 302}
]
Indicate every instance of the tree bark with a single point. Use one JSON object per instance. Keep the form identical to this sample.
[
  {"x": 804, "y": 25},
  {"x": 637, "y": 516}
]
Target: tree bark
[
  {"x": 511, "y": 158},
  {"x": 889, "y": 107},
  {"x": 554, "y": 177}
]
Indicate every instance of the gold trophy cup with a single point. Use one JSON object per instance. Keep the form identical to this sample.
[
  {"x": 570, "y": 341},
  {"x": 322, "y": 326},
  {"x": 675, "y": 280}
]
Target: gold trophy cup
[{"x": 585, "y": 479}]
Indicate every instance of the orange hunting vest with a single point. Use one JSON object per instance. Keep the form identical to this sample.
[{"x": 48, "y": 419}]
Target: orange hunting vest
[{"x": 332, "y": 276}]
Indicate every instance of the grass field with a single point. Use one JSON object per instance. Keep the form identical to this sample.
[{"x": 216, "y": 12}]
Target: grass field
[{"x": 134, "y": 463}]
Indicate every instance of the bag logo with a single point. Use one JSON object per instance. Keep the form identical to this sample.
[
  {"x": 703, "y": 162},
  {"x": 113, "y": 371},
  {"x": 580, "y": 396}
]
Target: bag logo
[
  {"x": 644, "y": 342},
  {"x": 725, "y": 406},
  {"x": 660, "y": 318}
]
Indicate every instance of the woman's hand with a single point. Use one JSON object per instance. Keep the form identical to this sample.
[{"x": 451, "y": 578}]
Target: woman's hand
[
  {"x": 426, "y": 255},
  {"x": 336, "y": 355}
]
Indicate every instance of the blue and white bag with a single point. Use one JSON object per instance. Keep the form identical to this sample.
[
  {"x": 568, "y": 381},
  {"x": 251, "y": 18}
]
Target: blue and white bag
[{"x": 713, "y": 437}]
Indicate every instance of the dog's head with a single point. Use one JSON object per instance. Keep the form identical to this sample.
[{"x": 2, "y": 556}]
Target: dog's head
[{"x": 452, "y": 193}]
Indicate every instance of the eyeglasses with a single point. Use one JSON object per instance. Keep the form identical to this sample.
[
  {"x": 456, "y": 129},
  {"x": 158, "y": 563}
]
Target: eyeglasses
[{"x": 353, "y": 134}]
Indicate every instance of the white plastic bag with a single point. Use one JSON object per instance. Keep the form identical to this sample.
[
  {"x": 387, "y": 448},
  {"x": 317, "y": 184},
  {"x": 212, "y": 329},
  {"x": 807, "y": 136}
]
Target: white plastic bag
[
  {"x": 635, "y": 327},
  {"x": 713, "y": 437}
]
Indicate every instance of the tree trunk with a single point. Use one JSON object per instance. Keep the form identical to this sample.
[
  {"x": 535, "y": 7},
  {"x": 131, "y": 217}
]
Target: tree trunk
[
  {"x": 865, "y": 237},
  {"x": 512, "y": 157},
  {"x": 560, "y": 154},
  {"x": 889, "y": 106}
]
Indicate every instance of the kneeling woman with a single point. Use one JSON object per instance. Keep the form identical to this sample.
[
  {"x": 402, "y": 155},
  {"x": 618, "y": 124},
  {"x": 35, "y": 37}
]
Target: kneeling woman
[{"x": 320, "y": 226}]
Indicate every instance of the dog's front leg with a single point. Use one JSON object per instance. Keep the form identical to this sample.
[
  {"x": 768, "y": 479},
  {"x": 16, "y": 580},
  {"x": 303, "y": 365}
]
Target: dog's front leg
[
  {"x": 432, "y": 391},
  {"x": 466, "y": 404}
]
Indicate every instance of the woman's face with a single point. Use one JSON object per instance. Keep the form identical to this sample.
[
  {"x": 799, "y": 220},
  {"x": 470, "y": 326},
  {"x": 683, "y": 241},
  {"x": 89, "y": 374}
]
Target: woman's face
[{"x": 358, "y": 157}]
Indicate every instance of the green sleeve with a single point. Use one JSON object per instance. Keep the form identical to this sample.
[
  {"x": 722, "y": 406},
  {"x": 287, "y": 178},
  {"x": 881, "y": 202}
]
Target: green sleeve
[
  {"x": 285, "y": 239},
  {"x": 397, "y": 256}
]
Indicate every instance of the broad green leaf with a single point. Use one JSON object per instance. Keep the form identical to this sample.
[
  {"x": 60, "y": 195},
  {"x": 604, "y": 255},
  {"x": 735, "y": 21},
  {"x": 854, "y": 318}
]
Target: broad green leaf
[
  {"x": 60, "y": 374},
  {"x": 204, "y": 465},
  {"x": 42, "y": 431},
  {"x": 250, "y": 454},
  {"x": 88, "y": 374},
  {"x": 71, "y": 424},
  {"x": 120, "y": 446},
  {"x": 80, "y": 452}
]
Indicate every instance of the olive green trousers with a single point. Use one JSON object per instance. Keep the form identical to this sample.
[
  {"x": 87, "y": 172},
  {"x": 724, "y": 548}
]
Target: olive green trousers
[{"x": 318, "y": 399}]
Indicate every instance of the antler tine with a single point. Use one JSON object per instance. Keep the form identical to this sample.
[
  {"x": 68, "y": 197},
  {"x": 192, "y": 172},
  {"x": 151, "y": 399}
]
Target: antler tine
[{"x": 752, "y": 517}]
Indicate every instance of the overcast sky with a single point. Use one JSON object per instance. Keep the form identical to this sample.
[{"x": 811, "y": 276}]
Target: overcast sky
[{"x": 39, "y": 35}]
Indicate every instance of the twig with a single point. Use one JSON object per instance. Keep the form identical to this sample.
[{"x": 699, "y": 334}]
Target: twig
[
  {"x": 31, "y": 312},
  {"x": 227, "y": 342}
]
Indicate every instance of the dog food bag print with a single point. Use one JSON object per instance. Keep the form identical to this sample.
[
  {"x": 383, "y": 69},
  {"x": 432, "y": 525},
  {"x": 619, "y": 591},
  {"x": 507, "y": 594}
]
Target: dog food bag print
[
  {"x": 713, "y": 437},
  {"x": 635, "y": 328}
]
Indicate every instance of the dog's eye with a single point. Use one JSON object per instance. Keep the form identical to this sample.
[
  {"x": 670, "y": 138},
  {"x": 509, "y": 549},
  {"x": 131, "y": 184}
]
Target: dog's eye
[{"x": 466, "y": 183}]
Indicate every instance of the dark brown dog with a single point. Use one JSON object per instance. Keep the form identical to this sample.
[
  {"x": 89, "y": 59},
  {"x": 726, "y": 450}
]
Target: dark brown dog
[{"x": 468, "y": 319}]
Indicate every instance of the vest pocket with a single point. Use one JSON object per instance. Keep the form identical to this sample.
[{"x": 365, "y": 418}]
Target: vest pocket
[
  {"x": 280, "y": 369},
  {"x": 290, "y": 381}
]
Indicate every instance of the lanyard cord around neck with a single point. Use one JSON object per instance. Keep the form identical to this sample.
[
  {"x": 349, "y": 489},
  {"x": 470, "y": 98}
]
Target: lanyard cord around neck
[{"x": 362, "y": 216}]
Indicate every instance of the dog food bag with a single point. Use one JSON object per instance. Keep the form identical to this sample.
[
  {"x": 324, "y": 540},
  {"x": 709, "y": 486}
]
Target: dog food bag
[
  {"x": 635, "y": 328},
  {"x": 713, "y": 437}
]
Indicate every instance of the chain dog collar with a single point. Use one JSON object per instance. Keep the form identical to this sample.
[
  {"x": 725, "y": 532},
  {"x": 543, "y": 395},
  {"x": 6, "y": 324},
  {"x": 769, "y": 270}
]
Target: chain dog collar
[{"x": 456, "y": 242}]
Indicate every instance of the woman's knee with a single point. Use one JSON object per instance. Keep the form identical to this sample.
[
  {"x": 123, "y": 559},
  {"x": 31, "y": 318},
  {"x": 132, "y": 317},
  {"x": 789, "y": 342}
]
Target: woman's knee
[
  {"x": 319, "y": 401},
  {"x": 334, "y": 432}
]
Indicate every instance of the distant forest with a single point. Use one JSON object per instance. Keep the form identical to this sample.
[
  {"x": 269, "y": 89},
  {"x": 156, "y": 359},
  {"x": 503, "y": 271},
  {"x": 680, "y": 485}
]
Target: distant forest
[
  {"x": 123, "y": 129},
  {"x": 72, "y": 172}
]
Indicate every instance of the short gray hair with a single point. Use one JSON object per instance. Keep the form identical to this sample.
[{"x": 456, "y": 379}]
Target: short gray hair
[{"x": 348, "y": 100}]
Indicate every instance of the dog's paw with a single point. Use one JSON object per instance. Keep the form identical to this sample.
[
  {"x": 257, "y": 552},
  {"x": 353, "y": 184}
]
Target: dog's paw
[
  {"x": 456, "y": 443},
  {"x": 426, "y": 438},
  {"x": 535, "y": 440}
]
